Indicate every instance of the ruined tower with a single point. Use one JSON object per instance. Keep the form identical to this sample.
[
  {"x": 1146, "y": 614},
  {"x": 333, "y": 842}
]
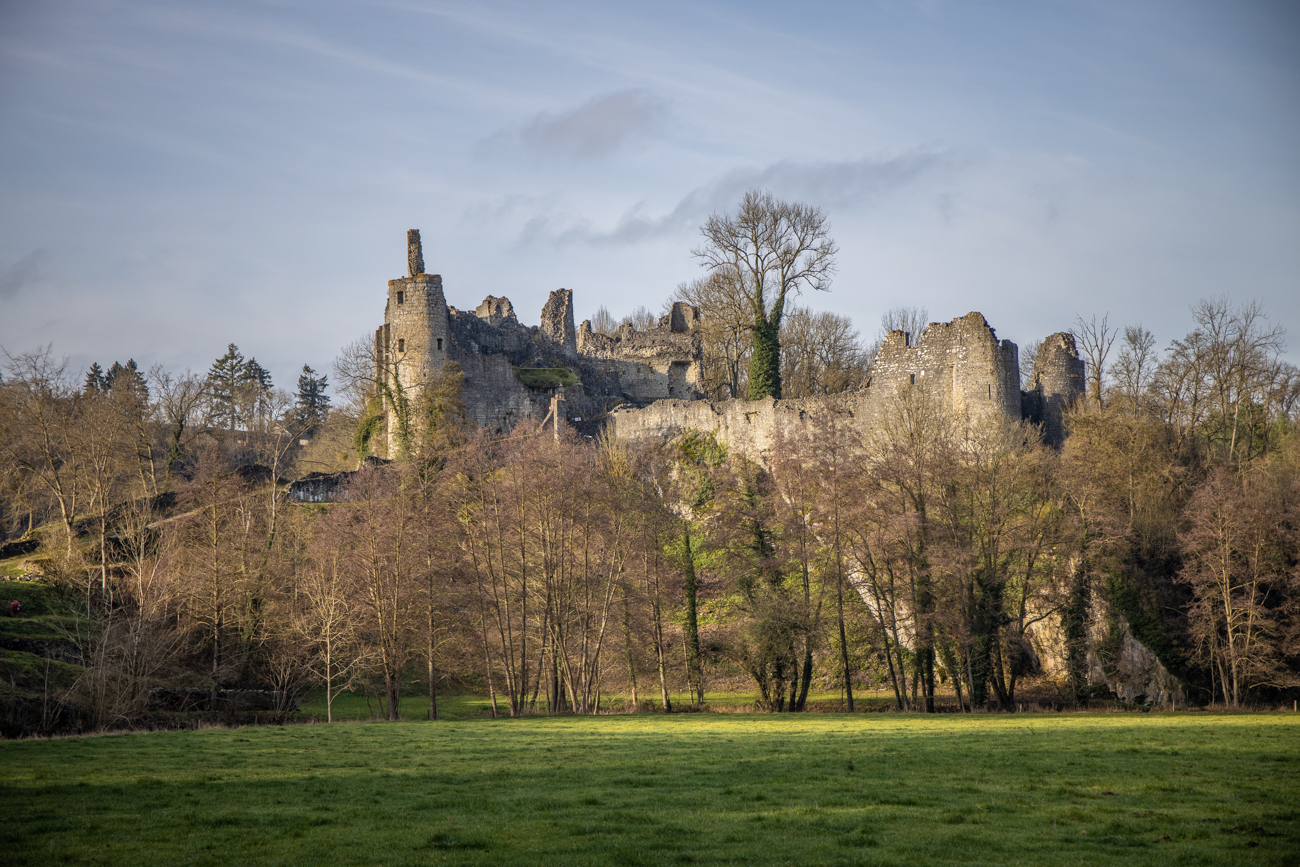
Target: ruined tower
[
  {"x": 961, "y": 364},
  {"x": 557, "y": 322},
  {"x": 413, "y": 342},
  {"x": 1058, "y": 382}
]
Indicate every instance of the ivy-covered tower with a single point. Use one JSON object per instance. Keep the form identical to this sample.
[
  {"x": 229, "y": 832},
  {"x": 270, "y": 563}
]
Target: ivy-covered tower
[{"x": 411, "y": 345}]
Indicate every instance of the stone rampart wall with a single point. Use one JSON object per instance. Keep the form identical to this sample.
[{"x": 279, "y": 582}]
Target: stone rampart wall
[{"x": 965, "y": 374}]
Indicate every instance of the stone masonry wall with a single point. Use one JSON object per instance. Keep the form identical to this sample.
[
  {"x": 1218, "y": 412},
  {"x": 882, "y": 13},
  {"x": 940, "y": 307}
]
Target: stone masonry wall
[
  {"x": 1058, "y": 382},
  {"x": 968, "y": 374},
  {"x": 650, "y": 365}
]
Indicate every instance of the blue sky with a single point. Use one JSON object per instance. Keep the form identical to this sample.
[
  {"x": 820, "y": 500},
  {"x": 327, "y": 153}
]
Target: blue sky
[{"x": 175, "y": 177}]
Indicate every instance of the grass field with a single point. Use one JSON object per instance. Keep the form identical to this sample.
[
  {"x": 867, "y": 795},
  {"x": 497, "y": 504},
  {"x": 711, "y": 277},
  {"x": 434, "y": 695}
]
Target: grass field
[{"x": 1162, "y": 789}]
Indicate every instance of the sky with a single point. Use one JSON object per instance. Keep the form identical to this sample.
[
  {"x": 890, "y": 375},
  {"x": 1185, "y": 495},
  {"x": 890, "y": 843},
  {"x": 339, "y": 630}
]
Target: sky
[{"x": 177, "y": 177}]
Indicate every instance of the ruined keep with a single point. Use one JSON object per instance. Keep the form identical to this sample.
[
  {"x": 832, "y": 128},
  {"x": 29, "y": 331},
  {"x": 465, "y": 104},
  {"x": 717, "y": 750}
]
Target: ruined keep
[
  {"x": 646, "y": 383},
  {"x": 511, "y": 371}
]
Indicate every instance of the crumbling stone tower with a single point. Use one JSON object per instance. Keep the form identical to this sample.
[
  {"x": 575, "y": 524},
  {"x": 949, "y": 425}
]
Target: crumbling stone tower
[
  {"x": 557, "y": 322},
  {"x": 1058, "y": 382},
  {"x": 414, "y": 340}
]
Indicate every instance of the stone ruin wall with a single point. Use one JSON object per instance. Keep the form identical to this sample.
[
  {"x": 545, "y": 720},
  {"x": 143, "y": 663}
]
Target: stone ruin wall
[
  {"x": 662, "y": 363},
  {"x": 420, "y": 332},
  {"x": 970, "y": 375},
  {"x": 961, "y": 365},
  {"x": 1058, "y": 381}
]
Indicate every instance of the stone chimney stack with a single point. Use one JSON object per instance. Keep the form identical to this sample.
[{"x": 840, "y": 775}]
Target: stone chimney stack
[{"x": 414, "y": 253}]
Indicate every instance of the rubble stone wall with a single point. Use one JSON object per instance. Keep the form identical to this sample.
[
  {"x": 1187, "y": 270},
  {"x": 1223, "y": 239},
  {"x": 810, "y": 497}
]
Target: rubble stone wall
[{"x": 966, "y": 374}]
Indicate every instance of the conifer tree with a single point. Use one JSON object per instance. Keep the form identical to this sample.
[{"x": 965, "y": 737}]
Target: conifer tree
[
  {"x": 224, "y": 380},
  {"x": 95, "y": 380},
  {"x": 313, "y": 402}
]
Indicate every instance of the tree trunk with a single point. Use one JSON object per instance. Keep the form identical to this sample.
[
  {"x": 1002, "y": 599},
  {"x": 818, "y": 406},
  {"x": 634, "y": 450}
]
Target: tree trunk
[
  {"x": 694, "y": 664},
  {"x": 845, "y": 671},
  {"x": 627, "y": 649}
]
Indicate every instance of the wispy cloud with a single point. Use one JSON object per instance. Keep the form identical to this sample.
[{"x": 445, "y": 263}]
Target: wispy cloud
[
  {"x": 27, "y": 270},
  {"x": 600, "y": 126},
  {"x": 833, "y": 185}
]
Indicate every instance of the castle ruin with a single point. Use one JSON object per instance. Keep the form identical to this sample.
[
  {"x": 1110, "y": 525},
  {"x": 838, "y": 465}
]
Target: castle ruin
[
  {"x": 512, "y": 371},
  {"x": 646, "y": 383}
]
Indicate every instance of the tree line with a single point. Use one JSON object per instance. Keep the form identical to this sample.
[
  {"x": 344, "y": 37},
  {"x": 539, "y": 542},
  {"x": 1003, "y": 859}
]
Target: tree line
[{"x": 943, "y": 563}]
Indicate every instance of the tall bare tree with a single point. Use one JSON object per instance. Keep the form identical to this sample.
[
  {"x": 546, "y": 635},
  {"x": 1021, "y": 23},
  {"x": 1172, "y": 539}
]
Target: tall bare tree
[{"x": 772, "y": 249}]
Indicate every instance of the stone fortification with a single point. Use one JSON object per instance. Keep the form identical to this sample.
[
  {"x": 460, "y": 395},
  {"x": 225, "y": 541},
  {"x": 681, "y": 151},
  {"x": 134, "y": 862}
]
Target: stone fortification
[
  {"x": 413, "y": 341},
  {"x": 650, "y": 365},
  {"x": 964, "y": 368},
  {"x": 557, "y": 322},
  {"x": 1058, "y": 381},
  {"x": 511, "y": 370},
  {"x": 966, "y": 375}
]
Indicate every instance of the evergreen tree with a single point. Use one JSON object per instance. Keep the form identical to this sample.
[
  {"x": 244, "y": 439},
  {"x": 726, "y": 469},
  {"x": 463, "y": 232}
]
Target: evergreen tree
[
  {"x": 255, "y": 390},
  {"x": 95, "y": 380},
  {"x": 313, "y": 403},
  {"x": 126, "y": 377},
  {"x": 256, "y": 375},
  {"x": 225, "y": 378}
]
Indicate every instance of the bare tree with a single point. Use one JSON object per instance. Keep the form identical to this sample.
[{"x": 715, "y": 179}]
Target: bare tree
[
  {"x": 1028, "y": 360},
  {"x": 1095, "y": 339},
  {"x": 642, "y": 319},
  {"x": 182, "y": 402},
  {"x": 1241, "y": 587},
  {"x": 820, "y": 354},
  {"x": 327, "y": 620},
  {"x": 39, "y": 426},
  {"x": 603, "y": 322},
  {"x": 772, "y": 249},
  {"x": 1135, "y": 365},
  {"x": 726, "y": 316}
]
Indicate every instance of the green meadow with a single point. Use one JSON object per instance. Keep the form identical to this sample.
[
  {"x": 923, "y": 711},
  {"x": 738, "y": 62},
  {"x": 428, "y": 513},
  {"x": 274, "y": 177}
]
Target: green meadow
[{"x": 868, "y": 789}]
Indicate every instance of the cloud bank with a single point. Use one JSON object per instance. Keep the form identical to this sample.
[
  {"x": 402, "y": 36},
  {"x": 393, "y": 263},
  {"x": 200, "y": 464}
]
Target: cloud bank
[
  {"x": 834, "y": 185},
  {"x": 599, "y": 127}
]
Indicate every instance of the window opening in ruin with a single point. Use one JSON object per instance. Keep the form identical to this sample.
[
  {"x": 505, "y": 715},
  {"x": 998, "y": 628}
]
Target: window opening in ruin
[
  {"x": 440, "y": 344},
  {"x": 990, "y": 390},
  {"x": 914, "y": 379},
  {"x": 401, "y": 297},
  {"x": 401, "y": 345}
]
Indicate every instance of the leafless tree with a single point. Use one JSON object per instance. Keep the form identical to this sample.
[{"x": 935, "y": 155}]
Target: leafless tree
[
  {"x": 820, "y": 354},
  {"x": 182, "y": 403},
  {"x": 1028, "y": 359},
  {"x": 39, "y": 425},
  {"x": 726, "y": 319},
  {"x": 1095, "y": 339},
  {"x": 772, "y": 249},
  {"x": 1241, "y": 588},
  {"x": 1135, "y": 365},
  {"x": 603, "y": 322}
]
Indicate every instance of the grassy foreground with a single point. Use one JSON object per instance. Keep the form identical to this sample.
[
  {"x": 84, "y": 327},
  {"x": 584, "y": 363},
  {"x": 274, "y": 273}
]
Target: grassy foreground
[{"x": 692, "y": 789}]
